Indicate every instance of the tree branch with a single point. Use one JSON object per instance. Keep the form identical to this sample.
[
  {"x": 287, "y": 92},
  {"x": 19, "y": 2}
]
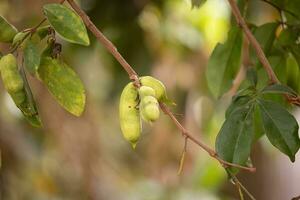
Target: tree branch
[
  {"x": 259, "y": 52},
  {"x": 206, "y": 148},
  {"x": 105, "y": 42},
  {"x": 134, "y": 77},
  {"x": 252, "y": 40}
]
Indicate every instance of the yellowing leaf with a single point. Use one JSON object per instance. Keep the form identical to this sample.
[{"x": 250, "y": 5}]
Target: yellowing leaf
[
  {"x": 31, "y": 56},
  {"x": 64, "y": 84},
  {"x": 67, "y": 24}
]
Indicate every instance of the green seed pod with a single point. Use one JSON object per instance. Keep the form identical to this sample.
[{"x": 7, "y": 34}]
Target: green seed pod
[
  {"x": 129, "y": 115},
  {"x": 18, "y": 97},
  {"x": 18, "y": 38},
  {"x": 146, "y": 91},
  {"x": 11, "y": 77},
  {"x": 159, "y": 88},
  {"x": 7, "y": 31},
  {"x": 18, "y": 89},
  {"x": 149, "y": 108}
]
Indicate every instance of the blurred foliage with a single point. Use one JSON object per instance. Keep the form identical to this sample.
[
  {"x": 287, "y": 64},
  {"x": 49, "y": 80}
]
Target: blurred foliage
[{"x": 86, "y": 157}]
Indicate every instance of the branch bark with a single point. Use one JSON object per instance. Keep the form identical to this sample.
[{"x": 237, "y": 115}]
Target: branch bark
[
  {"x": 252, "y": 40},
  {"x": 105, "y": 42},
  {"x": 134, "y": 77},
  {"x": 259, "y": 52}
]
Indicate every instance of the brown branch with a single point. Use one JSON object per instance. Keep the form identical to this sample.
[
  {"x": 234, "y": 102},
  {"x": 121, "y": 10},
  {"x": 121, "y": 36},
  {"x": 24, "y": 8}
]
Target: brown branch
[
  {"x": 206, "y": 148},
  {"x": 105, "y": 42},
  {"x": 252, "y": 40},
  {"x": 181, "y": 163},
  {"x": 134, "y": 77},
  {"x": 296, "y": 198},
  {"x": 240, "y": 186},
  {"x": 259, "y": 52}
]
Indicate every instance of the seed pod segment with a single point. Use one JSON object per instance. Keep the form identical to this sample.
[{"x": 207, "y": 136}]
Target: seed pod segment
[
  {"x": 129, "y": 114},
  {"x": 16, "y": 87},
  {"x": 149, "y": 108},
  {"x": 159, "y": 88},
  {"x": 146, "y": 91},
  {"x": 11, "y": 77}
]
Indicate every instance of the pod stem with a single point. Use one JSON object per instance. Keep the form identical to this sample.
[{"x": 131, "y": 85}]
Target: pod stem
[{"x": 133, "y": 145}]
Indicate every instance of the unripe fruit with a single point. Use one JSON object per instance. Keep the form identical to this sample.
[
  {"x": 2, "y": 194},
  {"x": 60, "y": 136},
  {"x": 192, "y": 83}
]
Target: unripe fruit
[
  {"x": 158, "y": 87},
  {"x": 18, "y": 97},
  {"x": 14, "y": 84},
  {"x": 129, "y": 114},
  {"x": 149, "y": 108},
  {"x": 146, "y": 91},
  {"x": 7, "y": 31},
  {"x": 11, "y": 77}
]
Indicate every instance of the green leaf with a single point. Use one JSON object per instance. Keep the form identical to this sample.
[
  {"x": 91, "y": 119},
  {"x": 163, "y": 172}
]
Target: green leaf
[
  {"x": 279, "y": 89},
  {"x": 64, "y": 84},
  {"x": 280, "y": 127},
  {"x": 252, "y": 76},
  {"x": 258, "y": 125},
  {"x": 278, "y": 64},
  {"x": 234, "y": 140},
  {"x": 238, "y": 102},
  {"x": 293, "y": 73},
  {"x": 7, "y": 31},
  {"x": 197, "y": 3},
  {"x": 31, "y": 56},
  {"x": 288, "y": 39},
  {"x": 293, "y": 6},
  {"x": 224, "y": 63},
  {"x": 265, "y": 35},
  {"x": 67, "y": 24}
]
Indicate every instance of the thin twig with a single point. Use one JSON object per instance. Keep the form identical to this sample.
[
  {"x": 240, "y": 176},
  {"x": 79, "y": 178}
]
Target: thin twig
[
  {"x": 240, "y": 191},
  {"x": 180, "y": 169},
  {"x": 260, "y": 53},
  {"x": 241, "y": 186},
  {"x": 134, "y": 77},
  {"x": 31, "y": 31},
  {"x": 206, "y": 148}
]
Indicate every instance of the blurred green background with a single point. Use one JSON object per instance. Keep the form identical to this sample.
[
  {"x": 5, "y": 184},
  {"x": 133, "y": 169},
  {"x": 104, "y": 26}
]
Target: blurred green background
[{"x": 87, "y": 158}]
